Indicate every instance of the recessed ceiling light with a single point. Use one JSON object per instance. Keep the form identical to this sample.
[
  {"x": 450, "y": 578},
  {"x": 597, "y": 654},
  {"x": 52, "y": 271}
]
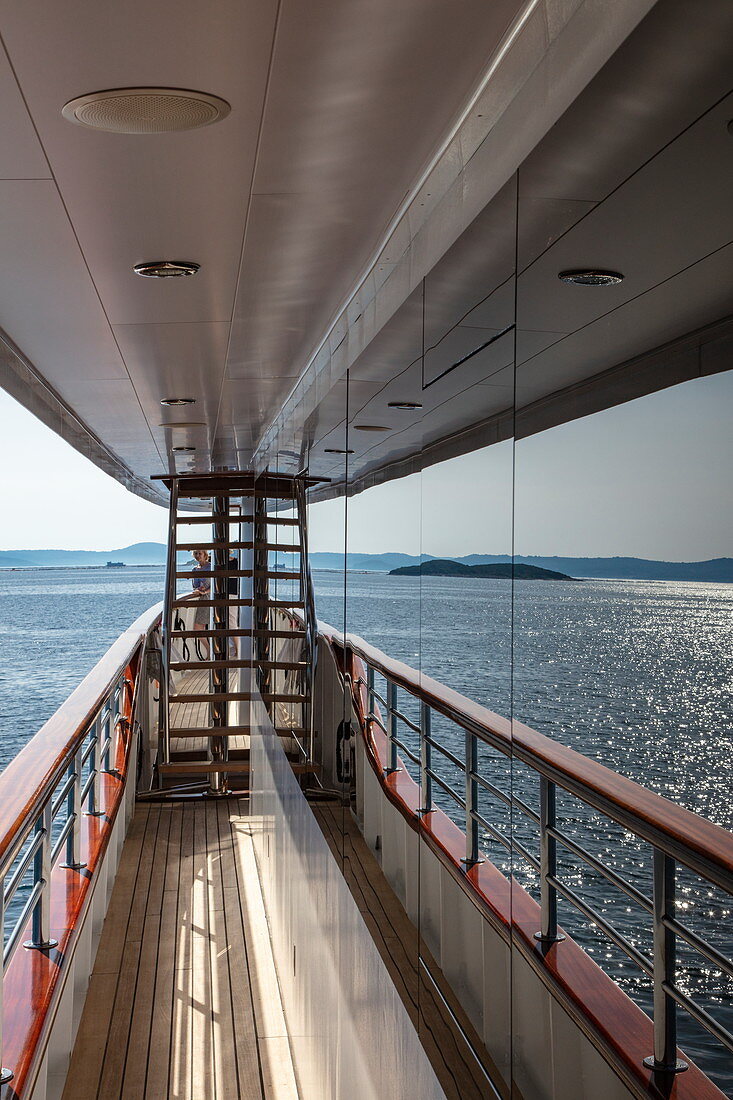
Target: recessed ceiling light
[
  {"x": 591, "y": 277},
  {"x": 371, "y": 428},
  {"x": 178, "y": 401},
  {"x": 336, "y": 451},
  {"x": 183, "y": 450},
  {"x": 404, "y": 405},
  {"x": 145, "y": 110},
  {"x": 166, "y": 269},
  {"x": 182, "y": 424}
]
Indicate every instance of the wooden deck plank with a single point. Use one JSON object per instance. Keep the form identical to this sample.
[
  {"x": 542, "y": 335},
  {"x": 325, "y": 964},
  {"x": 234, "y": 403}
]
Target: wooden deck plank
[
  {"x": 181, "y": 1025},
  {"x": 142, "y": 1015},
  {"x": 159, "y": 1053},
  {"x": 202, "y": 1033},
  {"x": 110, "y": 1084}
]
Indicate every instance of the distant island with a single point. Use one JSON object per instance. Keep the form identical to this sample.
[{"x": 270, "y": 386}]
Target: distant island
[
  {"x": 715, "y": 570},
  {"x": 446, "y": 567}
]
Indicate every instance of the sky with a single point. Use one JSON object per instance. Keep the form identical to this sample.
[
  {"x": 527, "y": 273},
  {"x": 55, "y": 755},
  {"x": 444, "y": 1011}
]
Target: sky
[{"x": 648, "y": 479}]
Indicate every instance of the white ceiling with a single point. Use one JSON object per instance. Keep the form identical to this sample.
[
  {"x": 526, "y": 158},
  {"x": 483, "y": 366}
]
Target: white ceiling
[
  {"x": 339, "y": 107},
  {"x": 336, "y": 107}
]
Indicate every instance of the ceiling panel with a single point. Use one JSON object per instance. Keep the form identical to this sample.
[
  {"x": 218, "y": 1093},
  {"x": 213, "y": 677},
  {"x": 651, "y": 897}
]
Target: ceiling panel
[
  {"x": 48, "y": 304},
  {"x": 21, "y": 155}
]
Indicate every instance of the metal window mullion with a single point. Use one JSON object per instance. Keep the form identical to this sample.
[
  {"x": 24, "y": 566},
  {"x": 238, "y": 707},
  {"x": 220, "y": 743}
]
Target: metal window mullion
[{"x": 167, "y": 623}]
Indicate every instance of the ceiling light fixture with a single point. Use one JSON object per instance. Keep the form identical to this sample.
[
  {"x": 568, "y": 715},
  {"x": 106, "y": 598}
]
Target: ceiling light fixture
[
  {"x": 183, "y": 450},
  {"x": 182, "y": 424},
  {"x": 336, "y": 451},
  {"x": 145, "y": 110},
  {"x": 166, "y": 269},
  {"x": 371, "y": 428},
  {"x": 591, "y": 277},
  {"x": 404, "y": 405},
  {"x": 178, "y": 401}
]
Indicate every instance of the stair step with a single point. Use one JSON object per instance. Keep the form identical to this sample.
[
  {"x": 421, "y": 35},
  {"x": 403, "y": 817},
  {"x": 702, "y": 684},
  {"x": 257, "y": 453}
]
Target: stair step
[
  {"x": 234, "y": 696},
  {"x": 233, "y": 731},
  {"x": 280, "y": 635},
  {"x": 229, "y": 517},
  {"x": 275, "y": 547},
  {"x": 284, "y": 665},
  {"x": 278, "y": 547},
  {"x": 241, "y": 767},
  {"x": 237, "y": 603},
  {"x": 258, "y": 494},
  {"x": 193, "y": 574},
  {"x": 184, "y": 666},
  {"x": 211, "y": 603},
  {"x": 212, "y": 697}
]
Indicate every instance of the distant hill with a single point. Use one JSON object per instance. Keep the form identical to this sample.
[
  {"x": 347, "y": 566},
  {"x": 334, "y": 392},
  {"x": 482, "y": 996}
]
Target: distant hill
[
  {"x": 718, "y": 570},
  {"x": 139, "y": 553},
  {"x": 445, "y": 567}
]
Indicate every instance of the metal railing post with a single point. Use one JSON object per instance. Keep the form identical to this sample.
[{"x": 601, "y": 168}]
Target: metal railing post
[
  {"x": 370, "y": 689},
  {"x": 664, "y": 1059},
  {"x": 73, "y": 810},
  {"x": 471, "y": 764},
  {"x": 392, "y": 725},
  {"x": 548, "y": 864},
  {"x": 426, "y": 760},
  {"x": 41, "y": 931},
  {"x": 5, "y": 1074},
  {"x": 94, "y": 806}
]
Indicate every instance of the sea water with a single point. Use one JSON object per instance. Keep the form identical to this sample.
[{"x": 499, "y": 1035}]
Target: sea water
[{"x": 636, "y": 674}]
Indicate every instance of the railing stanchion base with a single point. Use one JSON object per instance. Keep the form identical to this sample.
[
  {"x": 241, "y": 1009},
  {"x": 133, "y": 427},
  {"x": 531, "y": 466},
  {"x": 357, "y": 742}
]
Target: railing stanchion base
[
  {"x": 652, "y": 1064},
  {"x": 557, "y": 938},
  {"x": 31, "y": 946},
  {"x": 6, "y": 1075}
]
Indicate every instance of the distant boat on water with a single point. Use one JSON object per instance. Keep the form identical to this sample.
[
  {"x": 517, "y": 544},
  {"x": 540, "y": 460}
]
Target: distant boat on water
[{"x": 115, "y": 564}]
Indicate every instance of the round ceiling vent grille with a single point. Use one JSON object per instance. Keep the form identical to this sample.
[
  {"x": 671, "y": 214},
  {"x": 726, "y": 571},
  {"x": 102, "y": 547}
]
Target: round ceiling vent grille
[
  {"x": 145, "y": 110},
  {"x": 166, "y": 269}
]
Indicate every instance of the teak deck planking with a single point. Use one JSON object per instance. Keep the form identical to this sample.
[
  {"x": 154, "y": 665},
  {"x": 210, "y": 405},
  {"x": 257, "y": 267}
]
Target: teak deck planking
[{"x": 170, "y": 1009}]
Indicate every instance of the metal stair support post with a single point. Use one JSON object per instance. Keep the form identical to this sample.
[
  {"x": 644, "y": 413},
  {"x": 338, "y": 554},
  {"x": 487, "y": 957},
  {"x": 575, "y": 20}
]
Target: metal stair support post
[
  {"x": 168, "y": 600},
  {"x": 218, "y": 745},
  {"x": 261, "y": 612},
  {"x": 310, "y": 643}
]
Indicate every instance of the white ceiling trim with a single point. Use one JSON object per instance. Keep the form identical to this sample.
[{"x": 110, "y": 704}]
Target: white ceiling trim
[{"x": 560, "y": 46}]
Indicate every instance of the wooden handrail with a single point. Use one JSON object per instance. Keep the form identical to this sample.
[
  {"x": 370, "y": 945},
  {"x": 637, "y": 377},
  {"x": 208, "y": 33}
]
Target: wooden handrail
[
  {"x": 705, "y": 848},
  {"x": 39, "y": 765}
]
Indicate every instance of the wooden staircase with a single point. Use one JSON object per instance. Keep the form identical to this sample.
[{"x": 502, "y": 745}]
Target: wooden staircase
[{"x": 241, "y": 642}]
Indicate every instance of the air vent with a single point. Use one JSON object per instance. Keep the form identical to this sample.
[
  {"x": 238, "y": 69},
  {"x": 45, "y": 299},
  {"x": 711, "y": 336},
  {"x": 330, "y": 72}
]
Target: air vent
[
  {"x": 166, "y": 269},
  {"x": 591, "y": 277},
  {"x": 145, "y": 110}
]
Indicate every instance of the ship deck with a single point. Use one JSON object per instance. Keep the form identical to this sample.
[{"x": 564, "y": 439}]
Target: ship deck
[{"x": 183, "y": 1000}]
